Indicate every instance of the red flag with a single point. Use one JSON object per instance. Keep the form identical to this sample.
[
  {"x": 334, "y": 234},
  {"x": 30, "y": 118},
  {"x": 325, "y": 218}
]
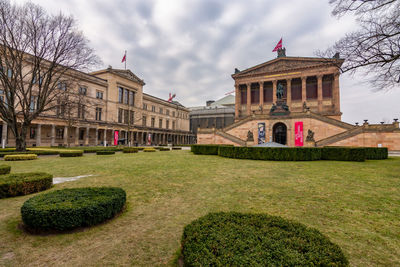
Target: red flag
[
  {"x": 278, "y": 46},
  {"x": 124, "y": 58}
]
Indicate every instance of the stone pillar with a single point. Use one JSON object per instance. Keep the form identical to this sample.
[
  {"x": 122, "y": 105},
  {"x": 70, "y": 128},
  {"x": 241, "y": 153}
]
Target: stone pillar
[
  {"x": 261, "y": 93},
  {"x": 77, "y": 136},
  {"x": 319, "y": 82},
  {"x": 96, "y": 137},
  {"x": 112, "y": 137},
  {"x": 52, "y": 135},
  {"x": 105, "y": 137},
  {"x": 65, "y": 135},
  {"x": 274, "y": 84},
  {"x": 336, "y": 92},
  {"x": 39, "y": 135},
  {"x": 87, "y": 136},
  {"x": 303, "y": 89},
  {"x": 248, "y": 98},
  {"x": 237, "y": 101},
  {"x": 289, "y": 92},
  {"x": 4, "y": 135}
]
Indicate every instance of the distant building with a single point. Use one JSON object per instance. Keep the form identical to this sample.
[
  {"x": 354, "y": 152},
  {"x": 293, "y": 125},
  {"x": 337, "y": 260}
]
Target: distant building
[{"x": 216, "y": 114}]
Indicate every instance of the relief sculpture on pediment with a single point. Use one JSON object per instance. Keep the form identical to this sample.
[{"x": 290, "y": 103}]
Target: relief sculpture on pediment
[{"x": 283, "y": 66}]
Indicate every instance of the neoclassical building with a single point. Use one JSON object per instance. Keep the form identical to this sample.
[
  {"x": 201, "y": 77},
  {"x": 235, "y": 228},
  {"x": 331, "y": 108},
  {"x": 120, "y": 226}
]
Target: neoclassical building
[
  {"x": 295, "y": 101},
  {"x": 113, "y": 110}
]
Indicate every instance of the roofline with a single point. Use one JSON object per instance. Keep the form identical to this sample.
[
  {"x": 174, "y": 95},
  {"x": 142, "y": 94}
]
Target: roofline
[
  {"x": 141, "y": 81},
  {"x": 164, "y": 101}
]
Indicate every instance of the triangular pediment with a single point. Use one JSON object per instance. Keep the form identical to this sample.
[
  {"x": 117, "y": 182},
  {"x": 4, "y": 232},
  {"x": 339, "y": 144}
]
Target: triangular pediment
[{"x": 286, "y": 64}]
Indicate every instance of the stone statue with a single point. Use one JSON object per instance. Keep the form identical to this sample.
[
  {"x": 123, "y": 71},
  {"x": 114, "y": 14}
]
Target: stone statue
[
  {"x": 310, "y": 136},
  {"x": 273, "y": 108},
  {"x": 282, "y": 52},
  {"x": 250, "y": 136},
  {"x": 304, "y": 106},
  {"x": 237, "y": 70},
  {"x": 279, "y": 91}
]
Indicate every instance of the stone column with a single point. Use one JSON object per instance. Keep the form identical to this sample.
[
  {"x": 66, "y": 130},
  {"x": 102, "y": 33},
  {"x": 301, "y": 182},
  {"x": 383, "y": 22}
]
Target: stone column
[
  {"x": 248, "y": 98},
  {"x": 65, "y": 135},
  {"x": 303, "y": 89},
  {"x": 289, "y": 92},
  {"x": 237, "y": 101},
  {"x": 261, "y": 93},
  {"x": 319, "y": 82},
  {"x": 53, "y": 135},
  {"x": 4, "y": 135},
  {"x": 336, "y": 92},
  {"x": 274, "y": 84},
  {"x": 38, "y": 135},
  {"x": 96, "y": 137},
  {"x": 105, "y": 137},
  {"x": 112, "y": 137},
  {"x": 77, "y": 136},
  {"x": 87, "y": 136}
]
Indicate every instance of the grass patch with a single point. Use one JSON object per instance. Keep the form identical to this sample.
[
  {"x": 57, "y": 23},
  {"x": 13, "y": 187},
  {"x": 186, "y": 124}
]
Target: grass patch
[{"x": 356, "y": 205}]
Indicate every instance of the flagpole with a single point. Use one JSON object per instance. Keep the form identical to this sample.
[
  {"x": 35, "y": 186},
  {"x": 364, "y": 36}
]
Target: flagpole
[{"x": 125, "y": 59}]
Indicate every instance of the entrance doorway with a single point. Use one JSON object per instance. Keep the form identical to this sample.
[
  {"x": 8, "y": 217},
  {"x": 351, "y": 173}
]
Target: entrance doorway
[{"x": 279, "y": 133}]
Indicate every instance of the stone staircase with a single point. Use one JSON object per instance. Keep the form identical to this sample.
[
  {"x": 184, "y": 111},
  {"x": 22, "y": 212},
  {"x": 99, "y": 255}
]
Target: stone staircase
[
  {"x": 231, "y": 138},
  {"x": 339, "y": 137}
]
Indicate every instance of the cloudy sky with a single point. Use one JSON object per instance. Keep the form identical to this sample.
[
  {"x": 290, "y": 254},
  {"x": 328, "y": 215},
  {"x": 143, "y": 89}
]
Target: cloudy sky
[{"x": 191, "y": 47}]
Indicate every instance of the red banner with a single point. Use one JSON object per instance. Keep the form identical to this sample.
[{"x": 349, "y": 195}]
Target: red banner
[
  {"x": 298, "y": 133},
  {"x": 115, "y": 138}
]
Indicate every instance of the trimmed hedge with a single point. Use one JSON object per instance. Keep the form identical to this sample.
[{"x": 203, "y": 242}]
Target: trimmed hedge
[
  {"x": 37, "y": 152},
  {"x": 140, "y": 148},
  {"x": 271, "y": 153},
  {"x": 5, "y": 169},
  {"x": 106, "y": 152},
  {"x": 176, "y": 148},
  {"x": 18, "y": 184},
  {"x": 205, "y": 149},
  {"x": 343, "y": 153},
  {"x": 20, "y": 157},
  {"x": 149, "y": 149},
  {"x": 130, "y": 150},
  {"x": 71, "y": 154},
  {"x": 100, "y": 148},
  {"x": 235, "y": 239},
  {"x": 376, "y": 152},
  {"x": 70, "y": 208},
  {"x": 164, "y": 149}
]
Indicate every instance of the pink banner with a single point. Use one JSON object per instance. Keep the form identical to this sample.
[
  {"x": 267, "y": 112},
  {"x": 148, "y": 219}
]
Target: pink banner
[
  {"x": 298, "y": 133},
  {"x": 115, "y": 138}
]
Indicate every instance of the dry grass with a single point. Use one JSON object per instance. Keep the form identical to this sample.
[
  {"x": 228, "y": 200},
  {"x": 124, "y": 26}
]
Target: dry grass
[{"x": 356, "y": 204}]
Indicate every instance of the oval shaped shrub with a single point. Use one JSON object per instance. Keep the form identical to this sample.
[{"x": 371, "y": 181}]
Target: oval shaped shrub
[
  {"x": 5, "y": 169},
  {"x": 149, "y": 149},
  {"x": 106, "y": 152},
  {"x": 176, "y": 148},
  {"x": 236, "y": 239},
  {"x": 130, "y": 150},
  {"x": 20, "y": 157},
  {"x": 76, "y": 153},
  {"x": 18, "y": 184},
  {"x": 70, "y": 208},
  {"x": 164, "y": 149}
]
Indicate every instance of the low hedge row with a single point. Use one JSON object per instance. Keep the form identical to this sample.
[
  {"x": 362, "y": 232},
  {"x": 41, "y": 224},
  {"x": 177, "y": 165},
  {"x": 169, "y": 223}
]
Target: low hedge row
[
  {"x": 4, "y": 169},
  {"x": 236, "y": 239},
  {"x": 100, "y": 148},
  {"x": 149, "y": 149},
  {"x": 20, "y": 157},
  {"x": 376, "y": 152},
  {"x": 18, "y": 184},
  {"x": 205, "y": 149},
  {"x": 70, "y": 208},
  {"x": 343, "y": 153},
  {"x": 130, "y": 150},
  {"x": 164, "y": 149},
  {"x": 37, "y": 152},
  {"x": 270, "y": 153},
  {"x": 105, "y": 152},
  {"x": 71, "y": 154},
  {"x": 176, "y": 148}
]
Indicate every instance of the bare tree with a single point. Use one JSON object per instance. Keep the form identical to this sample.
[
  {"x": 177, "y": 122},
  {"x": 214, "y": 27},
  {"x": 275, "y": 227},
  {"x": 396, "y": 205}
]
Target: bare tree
[
  {"x": 37, "y": 51},
  {"x": 375, "y": 46}
]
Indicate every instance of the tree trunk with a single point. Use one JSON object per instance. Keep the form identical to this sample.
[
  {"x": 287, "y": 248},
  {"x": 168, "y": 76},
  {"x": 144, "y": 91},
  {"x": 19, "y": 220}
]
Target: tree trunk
[{"x": 20, "y": 139}]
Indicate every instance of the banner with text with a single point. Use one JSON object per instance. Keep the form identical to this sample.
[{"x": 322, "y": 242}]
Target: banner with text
[
  {"x": 298, "y": 133},
  {"x": 261, "y": 133},
  {"x": 115, "y": 138}
]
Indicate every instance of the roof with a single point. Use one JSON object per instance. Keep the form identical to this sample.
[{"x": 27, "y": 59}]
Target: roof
[
  {"x": 127, "y": 74},
  {"x": 225, "y": 101},
  {"x": 209, "y": 110}
]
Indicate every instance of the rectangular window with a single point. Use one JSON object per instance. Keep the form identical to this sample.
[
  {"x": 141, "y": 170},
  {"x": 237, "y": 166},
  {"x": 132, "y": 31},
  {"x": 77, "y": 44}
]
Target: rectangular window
[
  {"x": 327, "y": 82},
  {"x": 311, "y": 88},
  {"x": 82, "y": 90},
  {"x": 131, "y": 98},
  {"x": 131, "y": 117},
  {"x": 98, "y": 114},
  {"x": 9, "y": 73},
  {"x": 173, "y": 113},
  {"x": 62, "y": 86},
  {"x": 296, "y": 90},
  {"x": 126, "y": 97},
  {"x": 32, "y": 133},
  {"x": 153, "y": 108},
  {"x": 120, "y": 115},
  {"x": 35, "y": 80},
  {"x": 81, "y": 134},
  {"x": 160, "y": 123},
  {"x": 243, "y": 94},
  {"x": 81, "y": 111},
  {"x": 153, "y": 122},
  {"x": 144, "y": 106},
  {"x": 268, "y": 92},
  {"x": 173, "y": 125},
  {"x": 60, "y": 133},
  {"x": 144, "y": 121},
  {"x": 255, "y": 93},
  {"x": 32, "y": 105},
  {"x": 120, "y": 94},
  {"x": 126, "y": 116},
  {"x": 167, "y": 124},
  {"x": 161, "y": 111},
  {"x": 99, "y": 95},
  {"x": 167, "y": 112}
]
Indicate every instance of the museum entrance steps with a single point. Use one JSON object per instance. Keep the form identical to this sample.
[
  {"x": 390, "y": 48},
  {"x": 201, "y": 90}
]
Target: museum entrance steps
[
  {"x": 230, "y": 137},
  {"x": 339, "y": 137}
]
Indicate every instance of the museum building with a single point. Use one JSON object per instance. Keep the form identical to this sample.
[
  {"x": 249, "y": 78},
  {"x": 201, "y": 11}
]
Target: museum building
[{"x": 295, "y": 101}]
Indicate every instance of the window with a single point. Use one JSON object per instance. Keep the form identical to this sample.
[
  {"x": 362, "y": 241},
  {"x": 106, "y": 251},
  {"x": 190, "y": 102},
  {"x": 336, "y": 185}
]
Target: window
[
  {"x": 81, "y": 111},
  {"x": 120, "y": 94},
  {"x": 126, "y": 116},
  {"x": 173, "y": 125},
  {"x": 32, "y": 105},
  {"x": 153, "y": 108},
  {"x": 9, "y": 73},
  {"x": 60, "y": 133},
  {"x": 243, "y": 94},
  {"x": 131, "y": 98},
  {"x": 167, "y": 124},
  {"x": 126, "y": 97},
  {"x": 81, "y": 134},
  {"x": 131, "y": 117},
  {"x": 32, "y": 133},
  {"x": 82, "y": 90},
  {"x": 311, "y": 88},
  {"x": 144, "y": 120},
  {"x": 255, "y": 93},
  {"x": 153, "y": 122},
  {"x": 160, "y": 123},
  {"x": 120, "y": 115},
  {"x": 296, "y": 89},
  {"x": 144, "y": 106},
  {"x": 98, "y": 114},
  {"x": 62, "y": 86},
  {"x": 167, "y": 112},
  {"x": 173, "y": 113},
  {"x": 327, "y": 82},
  {"x": 60, "y": 109},
  {"x": 161, "y": 111},
  {"x": 99, "y": 95},
  {"x": 35, "y": 80}
]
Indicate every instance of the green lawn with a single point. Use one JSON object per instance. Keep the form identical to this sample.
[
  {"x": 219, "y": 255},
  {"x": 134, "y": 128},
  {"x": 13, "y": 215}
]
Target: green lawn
[{"x": 357, "y": 205}]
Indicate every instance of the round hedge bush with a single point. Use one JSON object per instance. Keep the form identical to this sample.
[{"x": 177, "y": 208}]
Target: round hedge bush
[
  {"x": 130, "y": 150},
  {"x": 71, "y": 208},
  {"x": 149, "y": 149},
  {"x": 105, "y": 152},
  {"x": 76, "y": 153},
  {"x": 4, "y": 169},
  {"x": 19, "y": 184},
  {"x": 235, "y": 239}
]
